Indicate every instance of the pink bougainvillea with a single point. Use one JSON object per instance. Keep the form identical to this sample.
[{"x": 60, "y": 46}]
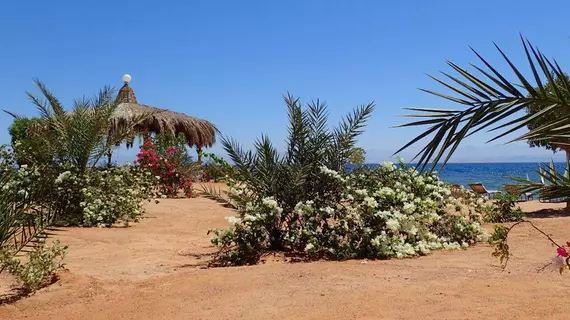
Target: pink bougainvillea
[{"x": 172, "y": 178}]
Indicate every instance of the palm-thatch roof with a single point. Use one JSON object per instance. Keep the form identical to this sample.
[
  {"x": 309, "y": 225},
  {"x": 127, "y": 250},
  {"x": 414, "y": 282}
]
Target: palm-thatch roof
[{"x": 198, "y": 132}]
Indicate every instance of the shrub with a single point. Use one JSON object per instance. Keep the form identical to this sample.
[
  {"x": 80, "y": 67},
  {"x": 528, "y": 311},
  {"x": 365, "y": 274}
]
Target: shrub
[
  {"x": 115, "y": 194},
  {"x": 296, "y": 176},
  {"x": 40, "y": 264},
  {"x": 94, "y": 197},
  {"x": 216, "y": 168},
  {"x": 382, "y": 213},
  {"x": 166, "y": 167},
  {"x": 165, "y": 142},
  {"x": 503, "y": 209}
]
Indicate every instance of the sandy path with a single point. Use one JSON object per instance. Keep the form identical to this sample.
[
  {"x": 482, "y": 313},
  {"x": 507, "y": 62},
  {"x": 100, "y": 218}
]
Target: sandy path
[{"x": 139, "y": 273}]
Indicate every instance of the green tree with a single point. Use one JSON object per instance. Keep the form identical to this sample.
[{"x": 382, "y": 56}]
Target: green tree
[
  {"x": 492, "y": 102},
  {"x": 27, "y": 150},
  {"x": 296, "y": 176},
  {"x": 80, "y": 136},
  {"x": 357, "y": 156},
  {"x": 558, "y": 145}
]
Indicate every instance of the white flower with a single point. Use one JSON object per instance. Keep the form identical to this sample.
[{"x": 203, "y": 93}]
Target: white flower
[
  {"x": 393, "y": 225},
  {"x": 62, "y": 176},
  {"x": 388, "y": 165},
  {"x": 233, "y": 220},
  {"x": 371, "y": 202},
  {"x": 409, "y": 208},
  {"x": 361, "y": 192},
  {"x": 331, "y": 173},
  {"x": 309, "y": 247}
]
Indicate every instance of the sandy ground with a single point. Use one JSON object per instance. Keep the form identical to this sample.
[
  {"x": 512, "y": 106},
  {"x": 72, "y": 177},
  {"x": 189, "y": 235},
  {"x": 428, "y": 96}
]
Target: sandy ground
[{"x": 152, "y": 271}]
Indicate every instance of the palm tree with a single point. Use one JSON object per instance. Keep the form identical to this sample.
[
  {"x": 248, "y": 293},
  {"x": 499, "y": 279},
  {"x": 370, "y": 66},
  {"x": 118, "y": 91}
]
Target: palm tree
[
  {"x": 85, "y": 134},
  {"x": 491, "y": 101}
]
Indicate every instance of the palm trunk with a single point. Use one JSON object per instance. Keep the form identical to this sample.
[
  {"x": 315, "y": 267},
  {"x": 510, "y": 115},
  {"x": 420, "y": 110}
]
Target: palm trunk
[
  {"x": 109, "y": 158},
  {"x": 199, "y": 151},
  {"x": 567, "y": 168}
]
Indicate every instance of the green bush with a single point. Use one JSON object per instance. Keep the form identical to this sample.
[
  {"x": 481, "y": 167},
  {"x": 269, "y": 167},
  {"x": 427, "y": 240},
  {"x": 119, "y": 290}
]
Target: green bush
[
  {"x": 115, "y": 194},
  {"x": 382, "y": 213},
  {"x": 503, "y": 209},
  {"x": 40, "y": 264},
  {"x": 305, "y": 203}
]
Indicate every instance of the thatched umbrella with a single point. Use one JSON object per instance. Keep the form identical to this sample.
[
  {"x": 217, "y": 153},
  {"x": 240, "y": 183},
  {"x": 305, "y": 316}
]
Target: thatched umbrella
[{"x": 198, "y": 132}]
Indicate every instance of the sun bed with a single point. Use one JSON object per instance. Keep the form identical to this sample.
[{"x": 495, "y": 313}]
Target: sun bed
[
  {"x": 516, "y": 190},
  {"x": 479, "y": 188}
]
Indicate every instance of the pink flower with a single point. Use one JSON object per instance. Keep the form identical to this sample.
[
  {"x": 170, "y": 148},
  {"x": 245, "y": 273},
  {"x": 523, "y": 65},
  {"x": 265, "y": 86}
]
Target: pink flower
[
  {"x": 562, "y": 252},
  {"x": 568, "y": 244}
]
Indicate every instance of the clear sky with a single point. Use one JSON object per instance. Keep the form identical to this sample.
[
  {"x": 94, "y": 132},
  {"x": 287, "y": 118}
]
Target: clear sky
[{"x": 231, "y": 61}]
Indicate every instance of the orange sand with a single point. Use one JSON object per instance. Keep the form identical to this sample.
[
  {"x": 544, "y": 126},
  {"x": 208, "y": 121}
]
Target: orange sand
[{"x": 152, "y": 270}]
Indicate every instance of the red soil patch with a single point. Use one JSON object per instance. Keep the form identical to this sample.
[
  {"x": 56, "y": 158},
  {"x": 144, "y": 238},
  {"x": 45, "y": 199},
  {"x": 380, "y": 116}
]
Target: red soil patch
[{"x": 148, "y": 271}]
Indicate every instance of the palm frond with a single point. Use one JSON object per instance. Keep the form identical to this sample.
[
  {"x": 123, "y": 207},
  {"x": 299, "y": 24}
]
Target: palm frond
[
  {"x": 218, "y": 195},
  {"x": 344, "y": 136},
  {"x": 489, "y": 101}
]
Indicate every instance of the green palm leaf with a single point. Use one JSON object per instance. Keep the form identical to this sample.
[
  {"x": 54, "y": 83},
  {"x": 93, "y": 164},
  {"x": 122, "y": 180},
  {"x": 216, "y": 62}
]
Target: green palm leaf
[{"x": 492, "y": 103}]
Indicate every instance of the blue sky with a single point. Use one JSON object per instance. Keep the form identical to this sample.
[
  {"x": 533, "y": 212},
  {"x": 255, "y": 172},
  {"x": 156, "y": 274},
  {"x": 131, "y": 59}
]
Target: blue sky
[{"x": 231, "y": 61}]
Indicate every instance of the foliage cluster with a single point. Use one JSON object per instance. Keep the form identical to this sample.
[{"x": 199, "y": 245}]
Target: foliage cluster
[
  {"x": 305, "y": 203},
  {"x": 166, "y": 166},
  {"x": 382, "y": 213},
  {"x": 503, "y": 209},
  {"x": 39, "y": 264}
]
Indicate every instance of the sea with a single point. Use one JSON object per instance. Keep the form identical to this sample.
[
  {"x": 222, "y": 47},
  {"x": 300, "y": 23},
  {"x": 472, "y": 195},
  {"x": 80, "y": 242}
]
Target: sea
[{"x": 492, "y": 175}]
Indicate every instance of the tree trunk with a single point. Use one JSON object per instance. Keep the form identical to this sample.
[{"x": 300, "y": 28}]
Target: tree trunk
[
  {"x": 199, "y": 151},
  {"x": 109, "y": 158}
]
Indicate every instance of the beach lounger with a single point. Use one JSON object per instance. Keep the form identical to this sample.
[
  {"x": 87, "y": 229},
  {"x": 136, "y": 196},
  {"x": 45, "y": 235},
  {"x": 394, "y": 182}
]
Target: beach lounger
[
  {"x": 517, "y": 191},
  {"x": 479, "y": 188},
  {"x": 557, "y": 200}
]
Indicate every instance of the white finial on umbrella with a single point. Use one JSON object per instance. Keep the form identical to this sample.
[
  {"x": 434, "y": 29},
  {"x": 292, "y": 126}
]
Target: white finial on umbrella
[{"x": 127, "y": 78}]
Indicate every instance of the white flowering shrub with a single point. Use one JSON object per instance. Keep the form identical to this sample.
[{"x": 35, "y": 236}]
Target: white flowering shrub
[
  {"x": 388, "y": 212},
  {"x": 114, "y": 194},
  {"x": 94, "y": 197}
]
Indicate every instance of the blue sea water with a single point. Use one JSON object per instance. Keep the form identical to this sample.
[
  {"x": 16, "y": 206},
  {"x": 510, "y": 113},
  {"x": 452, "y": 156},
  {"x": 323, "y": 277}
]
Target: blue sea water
[{"x": 492, "y": 175}]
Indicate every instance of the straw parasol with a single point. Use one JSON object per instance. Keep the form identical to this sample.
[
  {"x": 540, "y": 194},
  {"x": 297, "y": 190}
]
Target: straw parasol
[{"x": 198, "y": 132}]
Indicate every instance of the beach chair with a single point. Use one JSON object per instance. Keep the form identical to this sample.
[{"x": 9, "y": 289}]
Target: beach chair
[
  {"x": 479, "y": 188},
  {"x": 517, "y": 191}
]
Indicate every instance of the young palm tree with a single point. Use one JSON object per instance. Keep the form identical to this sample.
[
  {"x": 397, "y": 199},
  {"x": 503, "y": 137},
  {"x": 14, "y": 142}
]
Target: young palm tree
[
  {"x": 491, "y": 101},
  {"x": 83, "y": 135}
]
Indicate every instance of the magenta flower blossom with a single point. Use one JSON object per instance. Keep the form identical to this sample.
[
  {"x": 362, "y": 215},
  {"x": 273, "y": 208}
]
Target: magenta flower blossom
[{"x": 562, "y": 252}]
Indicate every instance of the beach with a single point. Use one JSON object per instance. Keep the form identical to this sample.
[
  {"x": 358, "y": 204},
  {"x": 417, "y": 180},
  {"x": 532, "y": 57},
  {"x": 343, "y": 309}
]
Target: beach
[{"x": 156, "y": 269}]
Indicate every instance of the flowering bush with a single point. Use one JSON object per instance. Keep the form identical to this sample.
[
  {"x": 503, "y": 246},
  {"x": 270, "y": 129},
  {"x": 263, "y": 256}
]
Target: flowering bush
[
  {"x": 382, "y": 213},
  {"x": 115, "y": 194},
  {"x": 95, "y": 197},
  {"x": 166, "y": 167},
  {"x": 42, "y": 262}
]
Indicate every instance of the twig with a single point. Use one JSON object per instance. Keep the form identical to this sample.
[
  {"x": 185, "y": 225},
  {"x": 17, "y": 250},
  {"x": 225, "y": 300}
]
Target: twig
[{"x": 567, "y": 260}]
